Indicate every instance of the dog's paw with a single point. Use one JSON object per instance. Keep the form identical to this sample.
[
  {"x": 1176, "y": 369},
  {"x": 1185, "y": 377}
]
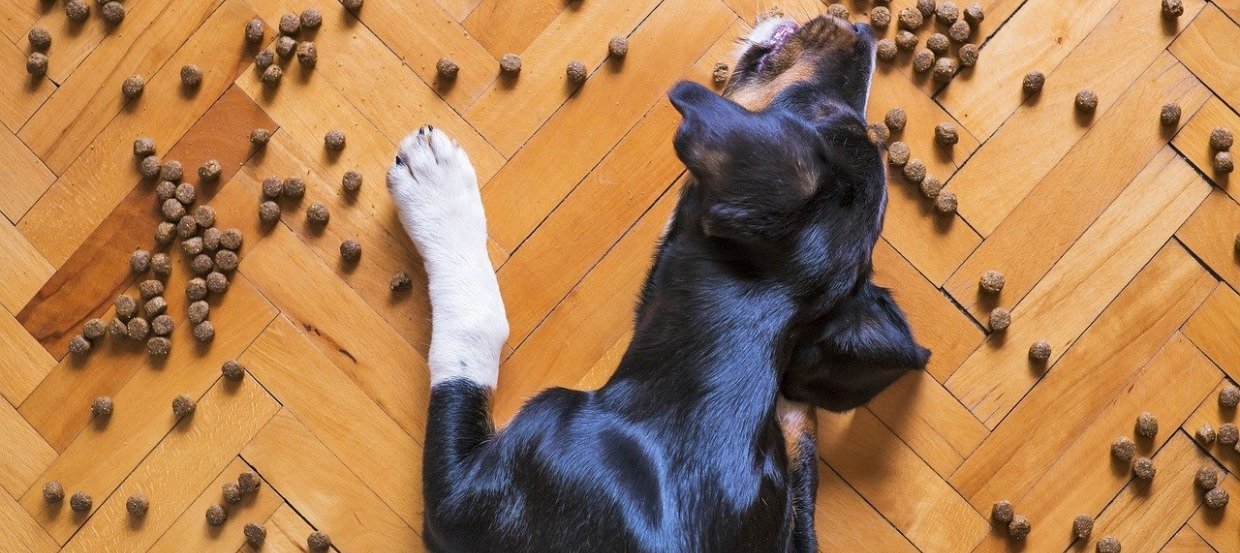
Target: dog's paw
[{"x": 433, "y": 185}]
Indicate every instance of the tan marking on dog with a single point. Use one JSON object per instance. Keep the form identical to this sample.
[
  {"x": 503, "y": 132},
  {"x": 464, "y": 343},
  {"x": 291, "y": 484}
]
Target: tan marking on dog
[{"x": 796, "y": 420}]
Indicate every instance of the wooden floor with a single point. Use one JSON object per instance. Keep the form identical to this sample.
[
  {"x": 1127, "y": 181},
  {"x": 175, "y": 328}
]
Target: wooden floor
[{"x": 1114, "y": 233}]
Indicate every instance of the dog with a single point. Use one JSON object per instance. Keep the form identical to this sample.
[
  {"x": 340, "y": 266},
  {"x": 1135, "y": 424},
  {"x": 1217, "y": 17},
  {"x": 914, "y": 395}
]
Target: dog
[{"x": 758, "y": 307}]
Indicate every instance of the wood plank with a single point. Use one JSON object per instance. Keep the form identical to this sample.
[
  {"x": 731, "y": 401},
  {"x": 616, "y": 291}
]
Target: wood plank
[
  {"x": 1066, "y": 301},
  {"x": 286, "y": 531},
  {"x": 191, "y": 532},
  {"x": 100, "y": 457},
  {"x": 23, "y": 361},
  {"x": 344, "y": 328},
  {"x": 333, "y": 407},
  {"x": 898, "y": 483},
  {"x": 1161, "y": 298},
  {"x": 507, "y": 26},
  {"x": 543, "y": 100},
  {"x": 1067, "y": 469},
  {"x": 72, "y": 42},
  {"x": 20, "y": 93},
  {"x": 1193, "y": 141},
  {"x": 1205, "y": 233},
  {"x": 361, "y": 71},
  {"x": 23, "y": 270},
  {"x": 87, "y": 101},
  {"x": 16, "y": 18},
  {"x": 460, "y": 9},
  {"x": 1187, "y": 541},
  {"x": 175, "y": 473},
  {"x": 88, "y": 281},
  {"x": 25, "y": 455},
  {"x": 92, "y": 186},
  {"x": 1215, "y": 328},
  {"x": 289, "y": 456},
  {"x": 598, "y": 115},
  {"x": 845, "y": 522},
  {"x": 1218, "y": 528},
  {"x": 995, "y": 181},
  {"x": 1150, "y": 513},
  {"x": 1201, "y": 47},
  {"x": 24, "y": 174},
  {"x": 21, "y": 532}
]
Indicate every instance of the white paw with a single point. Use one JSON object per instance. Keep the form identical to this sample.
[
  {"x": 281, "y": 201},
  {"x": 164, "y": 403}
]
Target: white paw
[{"x": 435, "y": 189}]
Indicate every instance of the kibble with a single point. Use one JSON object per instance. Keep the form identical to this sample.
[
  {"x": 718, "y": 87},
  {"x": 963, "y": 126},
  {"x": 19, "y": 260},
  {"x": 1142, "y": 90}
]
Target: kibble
[
  {"x": 1228, "y": 434},
  {"x": 269, "y": 212},
  {"x": 945, "y": 134},
  {"x": 53, "y": 492},
  {"x": 991, "y": 282},
  {"x": 352, "y": 181},
  {"x": 510, "y": 65},
  {"x": 79, "y": 345},
  {"x": 318, "y": 542},
  {"x": 232, "y": 493},
  {"x": 878, "y": 133},
  {"x": 1217, "y": 498},
  {"x": 143, "y": 146},
  {"x": 307, "y": 54},
  {"x": 254, "y": 532},
  {"x": 259, "y": 137},
  {"x": 1143, "y": 468},
  {"x": 249, "y": 481},
  {"x": 231, "y": 239},
  {"x": 139, "y": 261},
  {"x": 1170, "y": 115},
  {"x": 77, "y": 11},
  {"x": 1086, "y": 101},
  {"x": 226, "y": 261},
  {"x": 165, "y": 190},
  {"x": 880, "y": 17},
  {"x": 931, "y": 187},
  {"x": 216, "y": 515},
  {"x": 1019, "y": 527},
  {"x": 923, "y": 60},
  {"x": 94, "y": 329},
  {"x": 198, "y": 311},
  {"x": 906, "y": 41},
  {"x": 1207, "y": 478},
  {"x": 101, "y": 407},
  {"x": 720, "y": 74},
  {"x": 1108, "y": 544},
  {"x": 191, "y": 76},
  {"x": 125, "y": 307},
  {"x": 210, "y": 170},
  {"x": 210, "y": 239},
  {"x": 1223, "y": 163},
  {"x": 947, "y": 12},
  {"x": 185, "y": 193},
  {"x": 195, "y": 289},
  {"x": 1040, "y": 351},
  {"x": 926, "y": 7},
  {"x": 838, "y": 10},
  {"x": 272, "y": 187},
  {"x": 968, "y": 55},
  {"x": 201, "y": 264},
  {"x": 150, "y": 166},
  {"x": 138, "y": 328},
  {"x": 334, "y": 140},
  {"x": 183, "y": 405},
  {"x": 577, "y": 72},
  {"x": 886, "y": 50},
  {"x": 155, "y": 306},
  {"x": 1000, "y": 319},
  {"x": 285, "y": 47},
  {"x": 896, "y": 119},
  {"x": 1001, "y": 512},
  {"x": 317, "y": 214},
  {"x": 1221, "y": 138},
  {"x": 133, "y": 86},
  {"x": 137, "y": 505},
  {"x": 39, "y": 38},
  {"x": 938, "y": 43},
  {"x": 352, "y": 5},
  {"x": 272, "y": 75},
  {"x": 148, "y": 289},
  {"x": 161, "y": 265},
  {"x": 915, "y": 170},
  {"x": 400, "y": 282},
  {"x": 117, "y": 328},
  {"x": 945, "y": 69},
  {"x": 36, "y": 64},
  {"x": 1147, "y": 425},
  {"x": 1172, "y": 9},
  {"x": 290, "y": 24},
  {"x": 166, "y": 232},
  {"x": 80, "y": 502},
  {"x": 204, "y": 331},
  {"x": 159, "y": 346},
  {"x": 946, "y": 202},
  {"x": 898, "y": 154},
  {"x": 1205, "y": 434},
  {"x": 910, "y": 19},
  {"x": 233, "y": 370},
  {"x": 172, "y": 171},
  {"x": 254, "y": 30},
  {"x": 959, "y": 32},
  {"x": 1082, "y": 526},
  {"x": 974, "y": 14},
  {"x": 162, "y": 325},
  {"x": 1229, "y": 397},
  {"x": 350, "y": 251},
  {"x": 447, "y": 69},
  {"x": 217, "y": 283},
  {"x": 187, "y": 227},
  {"x": 1033, "y": 82},
  {"x": 311, "y": 19}
]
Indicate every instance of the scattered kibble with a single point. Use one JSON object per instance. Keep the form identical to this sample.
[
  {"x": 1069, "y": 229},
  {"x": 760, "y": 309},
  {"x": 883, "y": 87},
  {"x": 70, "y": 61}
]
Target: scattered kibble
[
  {"x": 931, "y": 187},
  {"x": 233, "y": 370},
  {"x": 113, "y": 13},
  {"x": 183, "y": 405},
  {"x": 138, "y": 328},
  {"x": 254, "y": 532},
  {"x": 1143, "y": 468},
  {"x": 39, "y": 38},
  {"x": 1082, "y": 526},
  {"x": 249, "y": 481},
  {"x": 117, "y": 328},
  {"x": 137, "y": 505},
  {"x": 217, "y": 283},
  {"x": 945, "y": 69},
  {"x": 968, "y": 55},
  {"x": 164, "y": 190},
  {"x": 1217, "y": 498},
  {"x": 1207, "y": 478},
  {"x": 1019, "y": 527},
  {"x": 1170, "y": 114},
  {"x": 101, "y": 407},
  {"x": 254, "y": 30},
  {"x": 162, "y": 325},
  {"x": 172, "y": 171},
  {"x": 226, "y": 261},
  {"x": 165, "y": 232},
  {"x": 1228, "y": 434},
  {"x": 447, "y": 69},
  {"x": 910, "y": 19},
  {"x": 400, "y": 282},
  {"x": 77, "y": 11},
  {"x": 1040, "y": 351},
  {"x": 1205, "y": 434},
  {"x": 259, "y": 137},
  {"x": 959, "y": 32},
  {"x": 272, "y": 187},
  {"x": 880, "y": 17},
  {"x": 991, "y": 282},
  {"x": 946, "y": 202},
  {"x": 1147, "y": 425},
  {"x": 204, "y": 331},
  {"x": 1001, "y": 512},
  {"x": 285, "y": 47},
  {"x": 1223, "y": 163},
  {"x": 318, "y": 542},
  {"x": 272, "y": 75},
  {"x": 906, "y": 41},
  {"x": 1033, "y": 82},
  {"x": 210, "y": 170},
  {"x": 80, "y": 502},
  {"x": 79, "y": 345},
  {"x": 1000, "y": 319},
  {"x": 896, "y": 119},
  {"x": 926, "y": 7},
  {"x": 923, "y": 60},
  {"x": 720, "y": 73},
  {"x": 878, "y": 133},
  {"x": 1221, "y": 138},
  {"x": 898, "y": 154},
  {"x": 232, "y": 493},
  {"x": 159, "y": 346},
  {"x": 125, "y": 306},
  {"x": 945, "y": 134},
  {"x": 197, "y": 311},
  {"x": 1108, "y": 544},
  {"x": 974, "y": 14},
  {"x": 191, "y": 76},
  {"x": 1086, "y": 101},
  {"x": 231, "y": 239},
  {"x": 216, "y": 515},
  {"x": 352, "y": 5},
  {"x": 838, "y": 10},
  {"x": 201, "y": 264},
  {"x": 334, "y": 140},
  {"x": 938, "y": 43},
  {"x": 1229, "y": 397},
  {"x": 195, "y": 289},
  {"x": 290, "y": 24},
  {"x": 94, "y": 329},
  {"x": 185, "y": 193},
  {"x": 53, "y": 492},
  {"x": 139, "y": 261},
  {"x": 886, "y": 49},
  {"x": 132, "y": 86},
  {"x": 155, "y": 306},
  {"x": 352, "y": 181},
  {"x": 915, "y": 170},
  {"x": 350, "y": 251},
  {"x": 161, "y": 265},
  {"x": 947, "y": 12},
  {"x": 1172, "y": 9},
  {"x": 269, "y": 212},
  {"x": 317, "y": 214},
  {"x": 510, "y": 65},
  {"x": 143, "y": 146},
  {"x": 311, "y": 18},
  {"x": 577, "y": 72},
  {"x": 148, "y": 289},
  {"x": 211, "y": 239}
]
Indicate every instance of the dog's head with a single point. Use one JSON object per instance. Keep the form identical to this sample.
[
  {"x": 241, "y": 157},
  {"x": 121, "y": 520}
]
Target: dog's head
[{"x": 788, "y": 183}]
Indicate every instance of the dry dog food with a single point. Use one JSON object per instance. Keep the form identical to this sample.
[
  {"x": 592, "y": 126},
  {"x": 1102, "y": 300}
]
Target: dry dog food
[
  {"x": 945, "y": 69},
  {"x": 143, "y": 146},
  {"x": 204, "y": 331},
  {"x": 148, "y": 289},
  {"x": 161, "y": 265},
  {"x": 1000, "y": 319},
  {"x": 946, "y": 202},
  {"x": 945, "y": 134},
  {"x": 318, "y": 542},
  {"x": 923, "y": 60},
  {"x": 1086, "y": 101},
  {"x": 1108, "y": 544},
  {"x": 1170, "y": 114},
  {"x": 886, "y": 49},
  {"x": 311, "y": 18},
  {"x": 974, "y": 14},
  {"x": 1217, "y": 498},
  {"x": 191, "y": 76},
  {"x": 1143, "y": 468},
  {"x": 272, "y": 187},
  {"x": 132, "y": 86},
  {"x": 931, "y": 187},
  {"x": 352, "y": 181},
  {"x": 155, "y": 306},
  {"x": 577, "y": 72},
  {"x": 138, "y": 328},
  {"x": 254, "y": 532},
  {"x": 195, "y": 289},
  {"x": 217, "y": 283},
  {"x": 1205, "y": 434},
  {"x": 1082, "y": 526},
  {"x": 838, "y": 10},
  {"x": 137, "y": 505},
  {"x": 352, "y": 5},
  {"x": 101, "y": 407},
  {"x": 150, "y": 166},
  {"x": 226, "y": 261},
  {"x": 117, "y": 328},
  {"x": 447, "y": 69},
  {"x": 80, "y": 502},
  {"x": 926, "y": 7},
  {"x": 183, "y": 405},
  {"x": 165, "y": 190},
  {"x": 400, "y": 282},
  {"x": 510, "y": 65},
  {"x": 898, "y": 154},
  {"x": 909, "y": 19},
  {"x": 260, "y": 136},
  {"x": 1033, "y": 82},
  {"x": 947, "y": 12},
  {"x": 39, "y": 38},
  {"x": 210, "y": 170},
  {"x": 77, "y": 11},
  {"x": 205, "y": 214},
  {"x": 161, "y": 325},
  {"x": 79, "y": 345},
  {"x": 1228, "y": 434},
  {"x": 290, "y": 24},
  {"x": 125, "y": 306},
  {"x": 187, "y": 226},
  {"x": 334, "y": 140},
  {"x": 139, "y": 261},
  {"x": 915, "y": 170},
  {"x": 216, "y": 515},
  {"x": 959, "y": 32},
  {"x": 1221, "y": 138},
  {"x": 197, "y": 311},
  {"x": 1147, "y": 425},
  {"x": 232, "y": 493},
  {"x": 249, "y": 481},
  {"x": 906, "y": 41},
  {"x": 1040, "y": 351},
  {"x": 350, "y": 250},
  {"x": 1019, "y": 527},
  {"x": 1223, "y": 163},
  {"x": 1207, "y": 478},
  {"x": 896, "y": 119},
  {"x": 201, "y": 264},
  {"x": 94, "y": 329},
  {"x": 254, "y": 30},
  {"x": 1001, "y": 512},
  {"x": 269, "y": 212},
  {"x": 294, "y": 188},
  {"x": 285, "y": 47},
  {"x": 991, "y": 282},
  {"x": 308, "y": 55},
  {"x": 938, "y": 43},
  {"x": 1228, "y": 397},
  {"x": 112, "y": 13},
  {"x": 53, "y": 492},
  {"x": 1172, "y": 9},
  {"x": 272, "y": 75},
  {"x": 233, "y": 370},
  {"x": 880, "y": 17},
  {"x": 165, "y": 232},
  {"x": 211, "y": 239},
  {"x": 878, "y": 133},
  {"x": 158, "y": 346},
  {"x": 317, "y": 214},
  {"x": 172, "y": 171}
]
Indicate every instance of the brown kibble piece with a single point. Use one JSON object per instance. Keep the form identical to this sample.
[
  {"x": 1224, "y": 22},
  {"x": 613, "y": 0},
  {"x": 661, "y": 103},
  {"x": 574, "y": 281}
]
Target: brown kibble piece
[
  {"x": 1147, "y": 425},
  {"x": 269, "y": 212},
  {"x": 53, "y": 492},
  {"x": 910, "y": 19},
  {"x": 233, "y": 370},
  {"x": 217, "y": 283},
  {"x": 249, "y": 481},
  {"x": 1172, "y": 9},
  {"x": 1033, "y": 81},
  {"x": 350, "y": 251},
  {"x": 196, "y": 245},
  {"x": 898, "y": 154},
  {"x": 150, "y": 166},
  {"x": 166, "y": 232},
  {"x": 878, "y": 133},
  {"x": 307, "y": 54},
  {"x": 226, "y": 261},
  {"x": 210, "y": 170},
  {"x": 187, "y": 227},
  {"x": 1040, "y": 351},
  {"x": 259, "y": 137},
  {"x": 1082, "y": 526},
  {"x": 931, "y": 187},
  {"x": 938, "y": 43},
  {"x": 1086, "y": 101},
  {"x": 577, "y": 72},
  {"x": 1207, "y": 478},
  {"x": 155, "y": 306},
  {"x": 400, "y": 282},
  {"x": 126, "y": 307},
  {"x": 205, "y": 215},
  {"x": 216, "y": 515},
  {"x": 94, "y": 329},
  {"x": 959, "y": 32},
  {"x": 201, "y": 264},
  {"x": 138, "y": 328},
  {"x": 945, "y": 69},
  {"x": 139, "y": 261},
  {"x": 254, "y": 30},
  {"x": 148, "y": 289},
  {"x": 317, "y": 214},
  {"x": 1170, "y": 114},
  {"x": 880, "y": 17},
  {"x": 162, "y": 325},
  {"x": 334, "y": 140},
  {"x": 318, "y": 542},
  {"x": 183, "y": 405},
  {"x": 720, "y": 74},
  {"x": 77, "y": 11},
  {"x": 838, "y": 10},
  {"x": 906, "y": 41},
  {"x": 1108, "y": 544},
  {"x": 352, "y": 181},
  {"x": 1221, "y": 138},
  {"x": 447, "y": 69},
  {"x": 1001, "y": 512},
  {"x": 991, "y": 282},
  {"x": 923, "y": 60},
  {"x": 165, "y": 190},
  {"x": 290, "y": 24},
  {"x": 272, "y": 75},
  {"x": 1000, "y": 319},
  {"x": 352, "y": 5},
  {"x": 272, "y": 187},
  {"x": 974, "y": 14},
  {"x": 1019, "y": 527},
  {"x": 158, "y": 346},
  {"x": 79, "y": 345},
  {"x": 886, "y": 50},
  {"x": 1217, "y": 498},
  {"x": 101, "y": 407},
  {"x": 195, "y": 289},
  {"x": 946, "y": 202},
  {"x": 510, "y": 65},
  {"x": 191, "y": 76},
  {"x": 231, "y": 239},
  {"x": 133, "y": 86},
  {"x": 185, "y": 193},
  {"x": 80, "y": 502},
  {"x": 1228, "y": 434},
  {"x": 198, "y": 311},
  {"x": 117, "y": 328},
  {"x": 137, "y": 505},
  {"x": 968, "y": 55},
  {"x": 926, "y": 7},
  {"x": 255, "y": 533},
  {"x": 232, "y": 493},
  {"x": 39, "y": 38},
  {"x": 947, "y": 12},
  {"x": 294, "y": 188},
  {"x": 945, "y": 134},
  {"x": 915, "y": 170},
  {"x": 896, "y": 119},
  {"x": 1223, "y": 163},
  {"x": 1143, "y": 468},
  {"x": 172, "y": 171},
  {"x": 1228, "y": 397},
  {"x": 204, "y": 331},
  {"x": 1205, "y": 434},
  {"x": 311, "y": 18},
  {"x": 143, "y": 146}
]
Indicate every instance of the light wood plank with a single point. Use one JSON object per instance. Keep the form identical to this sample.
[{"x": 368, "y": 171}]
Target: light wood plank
[
  {"x": 1202, "y": 48},
  {"x": 506, "y": 26},
  {"x": 844, "y": 521},
  {"x": 191, "y": 532},
  {"x": 25, "y": 174},
  {"x": 21, "y": 532},
  {"x": 1219, "y": 528},
  {"x": 1193, "y": 141},
  {"x": 1215, "y": 328},
  {"x": 25, "y": 455},
  {"x": 17, "y": 17},
  {"x": 1206, "y": 234},
  {"x": 23, "y": 361},
  {"x": 1187, "y": 541},
  {"x": 20, "y": 93},
  {"x": 286, "y": 531}
]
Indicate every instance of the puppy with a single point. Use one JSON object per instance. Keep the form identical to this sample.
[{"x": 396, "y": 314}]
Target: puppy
[{"x": 761, "y": 287}]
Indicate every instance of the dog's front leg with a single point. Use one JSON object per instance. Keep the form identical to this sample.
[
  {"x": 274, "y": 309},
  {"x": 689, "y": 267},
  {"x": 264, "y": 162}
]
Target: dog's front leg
[{"x": 436, "y": 193}]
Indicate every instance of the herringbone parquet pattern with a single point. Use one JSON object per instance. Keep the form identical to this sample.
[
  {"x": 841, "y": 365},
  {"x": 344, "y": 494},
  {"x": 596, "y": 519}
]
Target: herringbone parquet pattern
[{"x": 1116, "y": 237}]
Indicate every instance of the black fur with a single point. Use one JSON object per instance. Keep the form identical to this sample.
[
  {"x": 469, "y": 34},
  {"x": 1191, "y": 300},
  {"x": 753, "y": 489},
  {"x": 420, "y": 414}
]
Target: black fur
[{"x": 762, "y": 284}]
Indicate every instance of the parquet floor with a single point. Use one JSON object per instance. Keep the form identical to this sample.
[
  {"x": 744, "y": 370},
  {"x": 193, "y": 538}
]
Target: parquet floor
[{"x": 1114, "y": 233}]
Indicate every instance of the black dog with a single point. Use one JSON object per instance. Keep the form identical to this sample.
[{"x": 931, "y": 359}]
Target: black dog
[{"x": 761, "y": 287}]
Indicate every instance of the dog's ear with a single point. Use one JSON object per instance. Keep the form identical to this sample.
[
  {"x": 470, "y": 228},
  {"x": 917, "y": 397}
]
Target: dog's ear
[
  {"x": 701, "y": 139},
  {"x": 864, "y": 346}
]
